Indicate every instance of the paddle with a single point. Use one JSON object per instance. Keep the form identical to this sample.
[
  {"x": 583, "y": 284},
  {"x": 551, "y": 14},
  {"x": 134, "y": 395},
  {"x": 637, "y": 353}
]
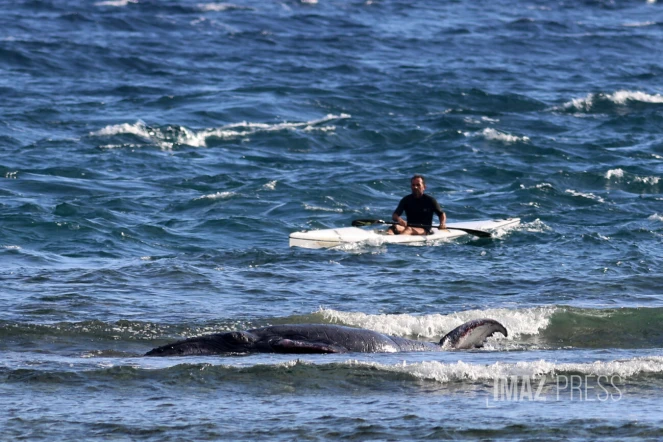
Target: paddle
[{"x": 370, "y": 222}]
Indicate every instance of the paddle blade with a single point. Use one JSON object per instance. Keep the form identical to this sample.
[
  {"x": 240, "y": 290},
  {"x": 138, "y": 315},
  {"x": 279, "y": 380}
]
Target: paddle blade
[{"x": 366, "y": 222}]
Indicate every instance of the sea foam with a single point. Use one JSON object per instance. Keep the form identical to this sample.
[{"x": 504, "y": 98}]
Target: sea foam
[
  {"x": 116, "y": 3},
  {"x": 495, "y": 135},
  {"x": 219, "y": 7},
  {"x": 217, "y": 196},
  {"x": 168, "y": 136},
  {"x": 528, "y": 321},
  {"x": 620, "y": 98},
  {"x": 614, "y": 173},
  {"x": 460, "y": 371},
  {"x": 587, "y": 195},
  {"x": 619, "y": 174}
]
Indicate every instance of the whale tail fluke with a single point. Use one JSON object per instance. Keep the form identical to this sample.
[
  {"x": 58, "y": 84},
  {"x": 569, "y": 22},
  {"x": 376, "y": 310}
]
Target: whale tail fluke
[{"x": 472, "y": 334}]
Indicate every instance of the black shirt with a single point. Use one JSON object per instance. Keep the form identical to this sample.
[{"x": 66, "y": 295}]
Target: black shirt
[{"x": 419, "y": 210}]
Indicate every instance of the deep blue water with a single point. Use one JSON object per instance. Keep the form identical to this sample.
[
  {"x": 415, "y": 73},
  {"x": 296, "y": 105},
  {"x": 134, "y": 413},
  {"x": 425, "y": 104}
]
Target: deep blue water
[{"x": 155, "y": 156}]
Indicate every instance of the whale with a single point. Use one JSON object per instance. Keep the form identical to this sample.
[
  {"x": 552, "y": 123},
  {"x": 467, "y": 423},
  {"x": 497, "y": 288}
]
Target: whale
[{"x": 326, "y": 338}]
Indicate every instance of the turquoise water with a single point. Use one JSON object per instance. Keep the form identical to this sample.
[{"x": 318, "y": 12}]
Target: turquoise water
[{"x": 155, "y": 156}]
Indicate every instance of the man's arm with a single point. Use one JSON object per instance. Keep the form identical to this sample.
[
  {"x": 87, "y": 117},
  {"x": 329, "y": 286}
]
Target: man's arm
[
  {"x": 396, "y": 217},
  {"x": 440, "y": 214},
  {"x": 443, "y": 220}
]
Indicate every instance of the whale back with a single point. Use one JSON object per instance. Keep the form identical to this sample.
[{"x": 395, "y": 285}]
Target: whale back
[
  {"x": 472, "y": 334},
  {"x": 325, "y": 338},
  {"x": 322, "y": 338},
  {"x": 231, "y": 342}
]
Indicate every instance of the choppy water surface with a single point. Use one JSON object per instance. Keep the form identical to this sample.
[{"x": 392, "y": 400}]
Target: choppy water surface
[{"x": 154, "y": 157}]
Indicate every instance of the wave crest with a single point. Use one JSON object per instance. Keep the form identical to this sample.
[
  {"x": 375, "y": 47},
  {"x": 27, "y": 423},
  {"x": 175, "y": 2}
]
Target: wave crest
[
  {"x": 518, "y": 322},
  {"x": 169, "y": 136},
  {"x": 495, "y": 135},
  {"x": 593, "y": 101}
]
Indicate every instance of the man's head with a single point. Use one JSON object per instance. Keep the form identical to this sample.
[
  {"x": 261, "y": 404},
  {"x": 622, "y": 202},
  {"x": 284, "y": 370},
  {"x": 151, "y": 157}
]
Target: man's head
[{"x": 418, "y": 185}]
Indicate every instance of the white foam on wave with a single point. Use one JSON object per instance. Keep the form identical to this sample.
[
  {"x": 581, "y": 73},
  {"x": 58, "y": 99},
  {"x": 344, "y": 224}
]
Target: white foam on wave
[
  {"x": 495, "y": 135},
  {"x": 614, "y": 173},
  {"x": 139, "y": 129},
  {"x": 322, "y": 209},
  {"x": 655, "y": 217},
  {"x": 219, "y": 7},
  {"x": 536, "y": 226},
  {"x": 216, "y": 196},
  {"x": 461, "y": 371},
  {"x": 620, "y": 97},
  {"x": 639, "y": 24},
  {"x": 650, "y": 180},
  {"x": 540, "y": 186},
  {"x": 619, "y": 174},
  {"x": 319, "y": 129},
  {"x": 161, "y": 137},
  {"x": 587, "y": 195},
  {"x": 528, "y": 321},
  {"x": 307, "y": 125},
  {"x": 167, "y": 137},
  {"x": 373, "y": 246},
  {"x": 116, "y": 3}
]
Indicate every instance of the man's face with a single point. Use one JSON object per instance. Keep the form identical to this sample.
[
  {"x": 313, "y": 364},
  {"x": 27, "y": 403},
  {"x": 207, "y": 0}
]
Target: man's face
[{"x": 417, "y": 185}]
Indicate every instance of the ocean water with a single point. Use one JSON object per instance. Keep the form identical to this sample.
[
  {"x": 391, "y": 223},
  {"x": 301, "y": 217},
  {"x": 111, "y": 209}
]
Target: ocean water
[{"x": 155, "y": 156}]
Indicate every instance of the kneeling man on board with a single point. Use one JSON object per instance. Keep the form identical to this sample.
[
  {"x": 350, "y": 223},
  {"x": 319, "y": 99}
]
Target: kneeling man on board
[{"x": 419, "y": 209}]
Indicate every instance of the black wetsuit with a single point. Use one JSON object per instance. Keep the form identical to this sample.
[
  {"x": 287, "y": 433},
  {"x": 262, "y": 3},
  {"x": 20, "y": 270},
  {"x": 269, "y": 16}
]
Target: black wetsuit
[{"x": 419, "y": 210}]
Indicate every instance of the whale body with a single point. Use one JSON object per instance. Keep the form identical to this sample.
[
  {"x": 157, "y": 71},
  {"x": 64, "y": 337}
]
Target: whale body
[{"x": 326, "y": 338}]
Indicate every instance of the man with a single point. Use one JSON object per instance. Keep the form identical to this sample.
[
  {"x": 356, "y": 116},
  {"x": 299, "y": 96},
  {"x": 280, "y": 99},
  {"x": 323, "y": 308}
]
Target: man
[{"x": 419, "y": 209}]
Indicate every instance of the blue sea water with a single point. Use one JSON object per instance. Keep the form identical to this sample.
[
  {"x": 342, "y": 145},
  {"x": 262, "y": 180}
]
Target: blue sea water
[{"x": 155, "y": 156}]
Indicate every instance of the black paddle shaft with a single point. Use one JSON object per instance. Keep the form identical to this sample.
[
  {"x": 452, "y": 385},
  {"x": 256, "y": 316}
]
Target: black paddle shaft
[{"x": 370, "y": 222}]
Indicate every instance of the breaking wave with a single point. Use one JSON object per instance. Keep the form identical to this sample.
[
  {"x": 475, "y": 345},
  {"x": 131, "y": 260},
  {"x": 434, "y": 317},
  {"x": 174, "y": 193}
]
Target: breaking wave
[{"x": 167, "y": 137}]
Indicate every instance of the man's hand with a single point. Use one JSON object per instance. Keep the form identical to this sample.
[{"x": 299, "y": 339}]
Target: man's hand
[{"x": 400, "y": 221}]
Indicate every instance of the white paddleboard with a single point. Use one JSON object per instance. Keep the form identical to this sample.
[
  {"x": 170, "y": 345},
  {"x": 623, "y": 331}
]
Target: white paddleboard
[{"x": 325, "y": 238}]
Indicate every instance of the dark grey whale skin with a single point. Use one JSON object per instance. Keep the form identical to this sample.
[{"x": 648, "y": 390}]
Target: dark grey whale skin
[{"x": 325, "y": 338}]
